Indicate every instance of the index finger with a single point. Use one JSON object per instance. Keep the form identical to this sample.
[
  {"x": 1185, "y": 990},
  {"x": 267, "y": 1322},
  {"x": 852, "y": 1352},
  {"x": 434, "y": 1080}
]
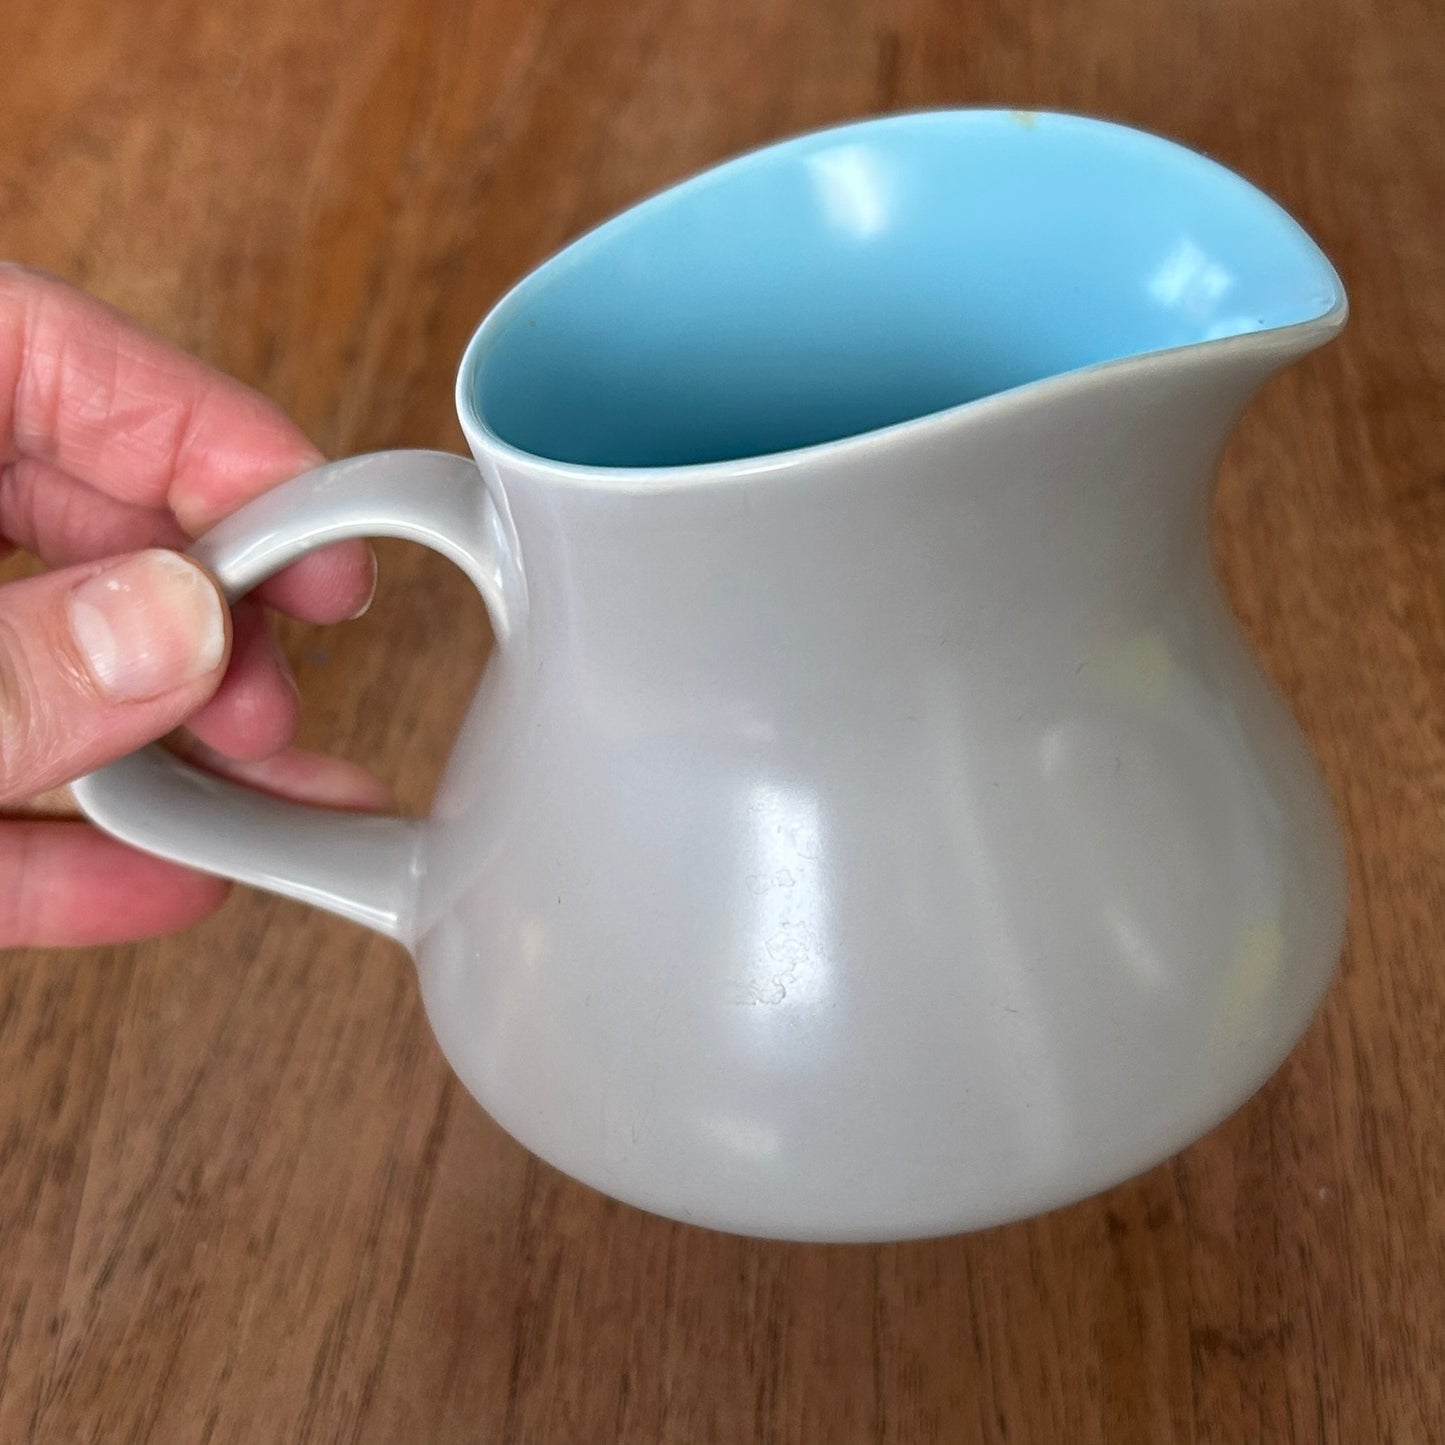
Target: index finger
[{"x": 91, "y": 393}]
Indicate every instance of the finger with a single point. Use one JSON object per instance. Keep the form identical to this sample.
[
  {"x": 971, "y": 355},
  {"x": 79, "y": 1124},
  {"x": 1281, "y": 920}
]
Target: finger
[
  {"x": 97, "y": 395},
  {"x": 68, "y": 886},
  {"x": 93, "y": 394},
  {"x": 335, "y": 584},
  {"x": 97, "y": 660},
  {"x": 256, "y": 709},
  {"x": 63, "y": 521},
  {"x": 304, "y": 777}
]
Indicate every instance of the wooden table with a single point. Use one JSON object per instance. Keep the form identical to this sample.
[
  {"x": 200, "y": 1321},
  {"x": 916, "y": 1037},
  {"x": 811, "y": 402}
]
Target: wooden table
[{"x": 242, "y": 1199}]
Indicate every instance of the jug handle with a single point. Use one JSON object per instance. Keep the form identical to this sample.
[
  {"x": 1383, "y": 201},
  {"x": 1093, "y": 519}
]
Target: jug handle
[{"x": 362, "y": 866}]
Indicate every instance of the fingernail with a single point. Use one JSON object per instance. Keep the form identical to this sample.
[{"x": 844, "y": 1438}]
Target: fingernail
[
  {"x": 148, "y": 625},
  {"x": 375, "y": 579}
]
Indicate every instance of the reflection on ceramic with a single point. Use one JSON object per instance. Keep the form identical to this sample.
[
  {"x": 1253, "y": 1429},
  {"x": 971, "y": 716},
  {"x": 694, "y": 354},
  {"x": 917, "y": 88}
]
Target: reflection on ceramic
[{"x": 870, "y": 823}]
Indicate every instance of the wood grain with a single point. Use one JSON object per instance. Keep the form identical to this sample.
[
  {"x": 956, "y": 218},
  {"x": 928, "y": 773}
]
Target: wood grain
[{"x": 241, "y": 1198}]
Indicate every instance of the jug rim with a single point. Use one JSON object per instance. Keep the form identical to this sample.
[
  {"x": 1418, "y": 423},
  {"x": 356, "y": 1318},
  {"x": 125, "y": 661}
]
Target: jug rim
[{"x": 1290, "y": 339}]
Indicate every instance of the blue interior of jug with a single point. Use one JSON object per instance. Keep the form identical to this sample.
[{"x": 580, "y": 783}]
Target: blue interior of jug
[{"x": 868, "y": 275}]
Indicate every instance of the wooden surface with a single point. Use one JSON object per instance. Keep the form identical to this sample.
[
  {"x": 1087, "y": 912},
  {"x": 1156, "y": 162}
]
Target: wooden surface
[{"x": 241, "y": 1198}]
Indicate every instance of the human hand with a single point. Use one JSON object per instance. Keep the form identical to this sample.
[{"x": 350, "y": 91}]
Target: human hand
[{"x": 115, "y": 445}]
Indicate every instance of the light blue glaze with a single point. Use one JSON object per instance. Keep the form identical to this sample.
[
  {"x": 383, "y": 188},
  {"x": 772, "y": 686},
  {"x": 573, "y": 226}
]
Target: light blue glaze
[{"x": 876, "y": 273}]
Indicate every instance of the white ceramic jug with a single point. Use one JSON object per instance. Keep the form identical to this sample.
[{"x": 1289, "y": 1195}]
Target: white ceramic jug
[{"x": 870, "y": 823}]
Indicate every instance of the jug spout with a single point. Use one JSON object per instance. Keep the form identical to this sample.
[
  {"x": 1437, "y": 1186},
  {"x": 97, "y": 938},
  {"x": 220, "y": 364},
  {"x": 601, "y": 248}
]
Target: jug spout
[{"x": 1257, "y": 352}]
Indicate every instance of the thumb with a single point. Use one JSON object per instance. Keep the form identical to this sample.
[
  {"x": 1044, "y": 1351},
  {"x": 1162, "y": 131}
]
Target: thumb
[{"x": 97, "y": 660}]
